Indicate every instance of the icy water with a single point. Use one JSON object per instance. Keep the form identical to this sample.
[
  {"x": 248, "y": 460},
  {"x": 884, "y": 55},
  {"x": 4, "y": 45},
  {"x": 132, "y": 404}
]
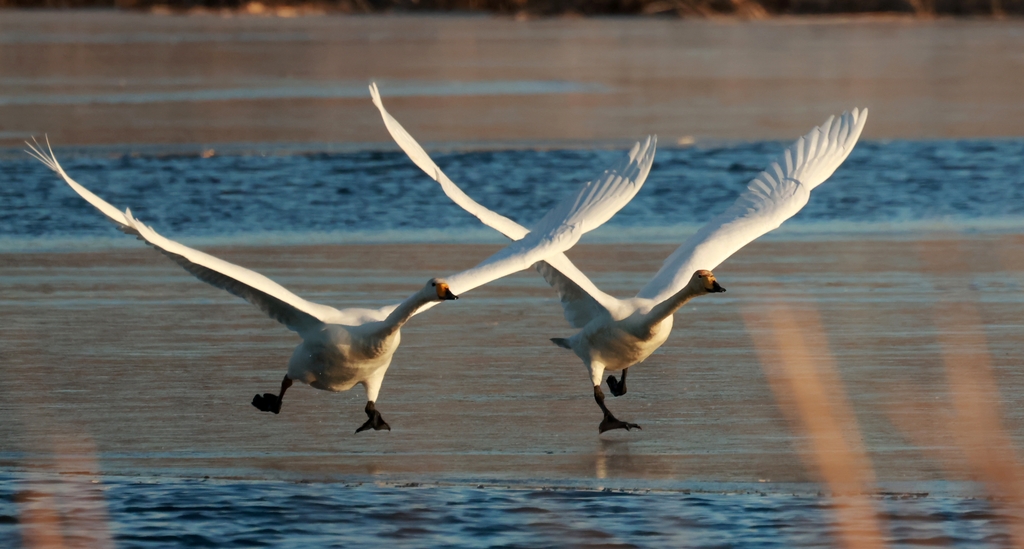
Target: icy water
[
  {"x": 883, "y": 188},
  {"x": 126, "y": 418},
  {"x": 203, "y": 513}
]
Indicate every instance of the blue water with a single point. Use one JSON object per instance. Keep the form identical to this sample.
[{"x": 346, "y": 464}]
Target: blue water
[
  {"x": 884, "y": 187},
  {"x": 155, "y": 512}
]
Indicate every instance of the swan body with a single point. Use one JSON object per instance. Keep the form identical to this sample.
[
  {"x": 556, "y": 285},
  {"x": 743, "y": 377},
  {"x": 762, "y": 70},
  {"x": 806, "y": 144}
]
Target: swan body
[
  {"x": 616, "y": 345},
  {"x": 605, "y": 343},
  {"x": 337, "y": 356},
  {"x": 341, "y": 348},
  {"x": 616, "y": 334}
]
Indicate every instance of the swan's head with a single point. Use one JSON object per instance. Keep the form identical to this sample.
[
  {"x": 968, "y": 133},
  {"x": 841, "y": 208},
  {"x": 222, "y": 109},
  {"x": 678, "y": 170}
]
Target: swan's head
[
  {"x": 440, "y": 288},
  {"x": 706, "y": 280}
]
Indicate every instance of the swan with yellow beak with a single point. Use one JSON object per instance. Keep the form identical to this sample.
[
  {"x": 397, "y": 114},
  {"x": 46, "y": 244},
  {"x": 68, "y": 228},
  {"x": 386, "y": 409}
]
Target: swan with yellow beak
[
  {"x": 342, "y": 348},
  {"x": 616, "y": 334}
]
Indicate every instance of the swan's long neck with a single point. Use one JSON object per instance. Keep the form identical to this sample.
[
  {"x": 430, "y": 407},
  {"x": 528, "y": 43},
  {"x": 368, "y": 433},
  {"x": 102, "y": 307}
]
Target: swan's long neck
[
  {"x": 404, "y": 312},
  {"x": 666, "y": 308}
]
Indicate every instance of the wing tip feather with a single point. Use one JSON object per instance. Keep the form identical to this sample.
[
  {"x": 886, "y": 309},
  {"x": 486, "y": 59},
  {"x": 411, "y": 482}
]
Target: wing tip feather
[
  {"x": 35, "y": 150},
  {"x": 375, "y": 96}
]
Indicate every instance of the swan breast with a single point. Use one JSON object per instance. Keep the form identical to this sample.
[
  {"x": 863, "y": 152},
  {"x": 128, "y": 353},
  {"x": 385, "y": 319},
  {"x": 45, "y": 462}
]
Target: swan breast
[
  {"x": 339, "y": 357},
  {"x": 620, "y": 345}
]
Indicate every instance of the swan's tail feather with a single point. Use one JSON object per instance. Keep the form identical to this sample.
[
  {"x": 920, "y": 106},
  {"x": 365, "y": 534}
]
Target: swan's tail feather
[{"x": 561, "y": 342}]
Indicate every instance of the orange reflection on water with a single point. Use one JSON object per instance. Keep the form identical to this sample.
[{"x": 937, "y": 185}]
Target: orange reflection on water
[
  {"x": 39, "y": 520},
  {"x": 977, "y": 423},
  {"x": 61, "y": 502},
  {"x": 974, "y": 419},
  {"x": 801, "y": 372}
]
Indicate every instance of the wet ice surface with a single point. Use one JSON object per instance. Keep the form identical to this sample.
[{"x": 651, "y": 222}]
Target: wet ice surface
[
  {"x": 884, "y": 187},
  {"x": 153, "y": 512},
  {"x": 120, "y": 368}
]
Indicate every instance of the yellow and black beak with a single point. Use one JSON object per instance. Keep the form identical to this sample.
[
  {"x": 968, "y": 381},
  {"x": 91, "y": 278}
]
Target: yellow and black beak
[
  {"x": 716, "y": 287},
  {"x": 443, "y": 292}
]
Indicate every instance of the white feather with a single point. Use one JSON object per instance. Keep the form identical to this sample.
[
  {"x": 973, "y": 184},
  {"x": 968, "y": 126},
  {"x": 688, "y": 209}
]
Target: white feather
[
  {"x": 579, "y": 294},
  {"x": 774, "y": 196}
]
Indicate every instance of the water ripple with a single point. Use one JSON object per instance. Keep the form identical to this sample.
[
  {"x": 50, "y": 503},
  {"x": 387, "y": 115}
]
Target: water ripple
[
  {"x": 883, "y": 186},
  {"x": 189, "y": 513}
]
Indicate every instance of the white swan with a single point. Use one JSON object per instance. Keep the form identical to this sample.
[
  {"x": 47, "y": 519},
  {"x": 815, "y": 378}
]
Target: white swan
[
  {"x": 618, "y": 333},
  {"x": 342, "y": 348}
]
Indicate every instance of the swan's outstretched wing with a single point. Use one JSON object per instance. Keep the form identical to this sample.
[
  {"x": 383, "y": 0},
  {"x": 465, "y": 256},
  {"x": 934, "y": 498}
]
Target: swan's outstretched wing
[
  {"x": 772, "y": 197},
  {"x": 272, "y": 298},
  {"x": 420, "y": 157},
  {"x": 585, "y": 210},
  {"x": 578, "y": 306},
  {"x": 581, "y": 299}
]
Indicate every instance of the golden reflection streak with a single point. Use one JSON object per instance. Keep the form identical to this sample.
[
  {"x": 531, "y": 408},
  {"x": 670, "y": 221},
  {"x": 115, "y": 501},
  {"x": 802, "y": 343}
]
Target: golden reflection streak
[
  {"x": 976, "y": 422},
  {"x": 39, "y": 520},
  {"x": 801, "y": 372},
  {"x": 61, "y": 503},
  {"x": 601, "y": 464}
]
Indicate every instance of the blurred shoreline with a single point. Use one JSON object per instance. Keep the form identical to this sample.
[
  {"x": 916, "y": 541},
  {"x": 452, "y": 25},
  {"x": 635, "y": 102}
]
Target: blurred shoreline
[{"x": 526, "y": 9}]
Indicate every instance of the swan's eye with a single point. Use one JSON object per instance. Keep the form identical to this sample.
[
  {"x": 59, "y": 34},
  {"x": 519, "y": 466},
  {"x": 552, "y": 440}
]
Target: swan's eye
[{"x": 433, "y": 283}]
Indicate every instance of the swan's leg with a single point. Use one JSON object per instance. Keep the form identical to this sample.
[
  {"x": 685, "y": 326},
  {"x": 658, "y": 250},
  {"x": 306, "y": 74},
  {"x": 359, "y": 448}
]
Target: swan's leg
[
  {"x": 375, "y": 422},
  {"x": 269, "y": 402},
  {"x": 610, "y": 421},
  {"x": 372, "y": 385},
  {"x": 618, "y": 388}
]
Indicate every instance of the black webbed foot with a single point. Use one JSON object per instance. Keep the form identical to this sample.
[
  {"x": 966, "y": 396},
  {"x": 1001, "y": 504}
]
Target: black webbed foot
[
  {"x": 267, "y": 402},
  {"x": 618, "y": 388},
  {"x": 610, "y": 422},
  {"x": 376, "y": 422}
]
